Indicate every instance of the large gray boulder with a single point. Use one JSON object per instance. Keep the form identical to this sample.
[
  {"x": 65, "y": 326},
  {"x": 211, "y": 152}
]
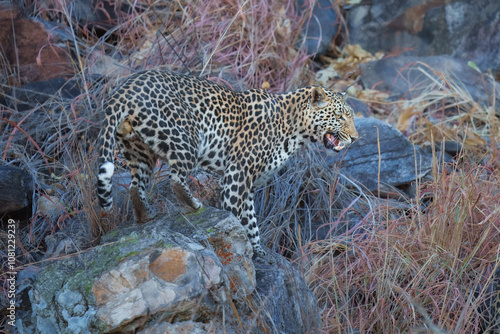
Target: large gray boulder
[
  {"x": 320, "y": 27},
  {"x": 284, "y": 295},
  {"x": 466, "y": 30},
  {"x": 400, "y": 161},
  {"x": 408, "y": 76},
  {"x": 182, "y": 273}
]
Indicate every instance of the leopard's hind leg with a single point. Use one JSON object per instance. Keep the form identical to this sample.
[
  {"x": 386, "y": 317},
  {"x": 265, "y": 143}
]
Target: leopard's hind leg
[
  {"x": 177, "y": 146},
  {"x": 141, "y": 161},
  {"x": 179, "y": 173}
]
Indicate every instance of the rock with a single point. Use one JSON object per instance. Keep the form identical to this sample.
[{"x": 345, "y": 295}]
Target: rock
[
  {"x": 404, "y": 76},
  {"x": 102, "y": 65},
  {"x": 398, "y": 157},
  {"x": 24, "y": 285},
  {"x": 360, "y": 108},
  {"x": 30, "y": 51},
  {"x": 16, "y": 191},
  {"x": 74, "y": 235},
  {"x": 320, "y": 27},
  {"x": 184, "y": 327},
  {"x": 140, "y": 273},
  {"x": 466, "y": 30},
  {"x": 50, "y": 206},
  {"x": 152, "y": 278},
  {"x": 35, "y": 93},
  {"x": 98, "y": 16},
  {"x": 488, "y": 294},
  {"x": 286, "y": 299},
  {"x": 452, "y": 148},
  {"x": 229, "y": 241}
]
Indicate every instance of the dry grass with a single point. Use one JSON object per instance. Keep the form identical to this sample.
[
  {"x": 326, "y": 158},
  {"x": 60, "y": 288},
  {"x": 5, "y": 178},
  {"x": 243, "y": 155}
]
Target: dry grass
[
  {"x": 426, "y": 269},
  {"x": 431, "y": 269},
  {"x": 436, "y": 262},
  {"x": 249, "y": 42}
]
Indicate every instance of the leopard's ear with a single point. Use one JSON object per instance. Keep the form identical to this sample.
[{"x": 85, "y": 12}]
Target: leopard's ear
[
  {"x": 318, "y": 97},
  {"x": 344, "y": 95}
]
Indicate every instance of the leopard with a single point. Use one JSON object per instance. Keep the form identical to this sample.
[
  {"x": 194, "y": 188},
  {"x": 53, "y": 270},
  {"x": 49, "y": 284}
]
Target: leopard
[{"x": 191, "y": 122}]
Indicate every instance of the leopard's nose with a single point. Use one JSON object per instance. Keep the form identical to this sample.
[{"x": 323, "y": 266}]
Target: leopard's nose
[{"x": 354, "y": 138}]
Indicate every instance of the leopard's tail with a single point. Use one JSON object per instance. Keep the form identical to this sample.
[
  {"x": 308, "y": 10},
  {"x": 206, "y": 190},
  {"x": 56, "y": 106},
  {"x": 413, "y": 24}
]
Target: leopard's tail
[{"x": 107, "y": 143}]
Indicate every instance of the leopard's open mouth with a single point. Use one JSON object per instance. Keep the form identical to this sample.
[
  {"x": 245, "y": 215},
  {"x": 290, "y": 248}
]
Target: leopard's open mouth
[{"x": 332, "y": 142}]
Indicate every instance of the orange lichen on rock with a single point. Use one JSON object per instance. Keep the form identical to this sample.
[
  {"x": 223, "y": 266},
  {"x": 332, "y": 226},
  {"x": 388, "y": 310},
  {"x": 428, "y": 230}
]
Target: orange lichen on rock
[
  {"x": 233, "y": 283},
  {"x": 170, "y": 265},
  {"x": 222, "y": 249}
]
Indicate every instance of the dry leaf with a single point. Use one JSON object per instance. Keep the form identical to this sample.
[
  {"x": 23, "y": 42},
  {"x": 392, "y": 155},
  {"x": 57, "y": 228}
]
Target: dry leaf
[
  {"x": 353, "y": 2},
  {"x": 325, "y": 75},
  {"x": 405, "y": 119},
  {"x": 353, "y": 55},
  {"x": 474, "y": 139},
  {"x": 372, "y": 95}
]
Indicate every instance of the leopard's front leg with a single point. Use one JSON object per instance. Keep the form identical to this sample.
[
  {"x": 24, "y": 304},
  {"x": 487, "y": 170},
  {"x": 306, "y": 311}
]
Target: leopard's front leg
[
  {"x": 249, "y": 221},
  {"x": 237, "y": 198}
]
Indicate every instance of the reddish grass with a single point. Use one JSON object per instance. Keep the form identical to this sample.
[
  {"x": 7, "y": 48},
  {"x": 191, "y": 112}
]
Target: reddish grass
[
  {"x": 250, "y": 41},
  {"x": 434, "y": 263}
]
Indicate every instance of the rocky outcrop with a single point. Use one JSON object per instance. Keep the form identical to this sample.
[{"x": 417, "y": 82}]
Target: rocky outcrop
[
  {"x": 466, "y": 30},
  {"x": 393, "y": 165},
  {"x": 30, "y": 95},
  {"x": 29, "y": 49},
  {"x": 285, "y": 297},
  {"x": 408, "y": 77},
  {"x": 189, "y": 273},
  {"x": 321, "y": 26}
]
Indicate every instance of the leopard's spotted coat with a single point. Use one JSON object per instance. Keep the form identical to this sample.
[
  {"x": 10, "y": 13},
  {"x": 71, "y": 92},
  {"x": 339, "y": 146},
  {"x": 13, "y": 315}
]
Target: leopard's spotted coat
[{"x": 192, "y": 122}]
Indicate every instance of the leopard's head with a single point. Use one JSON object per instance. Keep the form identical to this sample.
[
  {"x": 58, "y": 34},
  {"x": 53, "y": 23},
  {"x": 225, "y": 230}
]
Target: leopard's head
[{"x": 332, "y": 119}]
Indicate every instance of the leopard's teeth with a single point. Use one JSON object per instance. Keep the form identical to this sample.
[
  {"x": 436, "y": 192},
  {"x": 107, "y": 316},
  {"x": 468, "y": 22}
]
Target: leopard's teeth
[{"x": 332, "y": 139}]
